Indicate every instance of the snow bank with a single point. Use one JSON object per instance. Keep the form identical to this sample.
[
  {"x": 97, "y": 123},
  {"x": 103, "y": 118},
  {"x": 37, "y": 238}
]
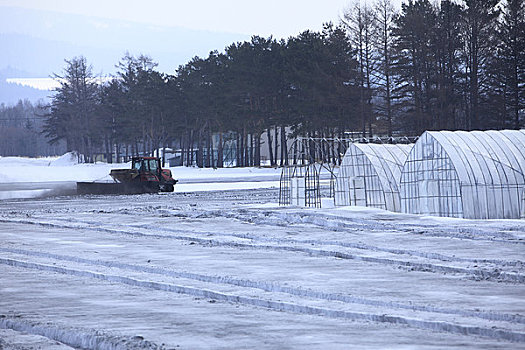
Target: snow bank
[
  {"x": 24, "y": 161},
  {"x": 70, "y": 158}
]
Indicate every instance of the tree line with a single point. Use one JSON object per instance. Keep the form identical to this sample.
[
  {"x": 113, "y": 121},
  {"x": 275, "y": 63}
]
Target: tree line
[
  {"x": 379, "y": 71},
  {"x": 21, "y": 128}
]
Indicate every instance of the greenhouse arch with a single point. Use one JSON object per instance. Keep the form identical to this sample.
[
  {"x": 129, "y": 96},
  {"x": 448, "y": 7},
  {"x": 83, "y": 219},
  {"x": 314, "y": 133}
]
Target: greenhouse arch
[
  {"x": 369, "y": 175},
  {"x": 477, "y": 175}
]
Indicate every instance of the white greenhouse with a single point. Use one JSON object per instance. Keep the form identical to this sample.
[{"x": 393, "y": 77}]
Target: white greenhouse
[
  {"x": 476, "y": 175},
  {"x": 369, "y": 175}
]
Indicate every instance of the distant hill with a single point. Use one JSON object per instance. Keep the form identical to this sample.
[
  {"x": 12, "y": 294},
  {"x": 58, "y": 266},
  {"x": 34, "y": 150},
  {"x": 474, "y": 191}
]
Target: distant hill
[
  {"x": 35, "y": 43},
  {"x": 43, "y": 57},
  {"x": 39, "y": 41}
]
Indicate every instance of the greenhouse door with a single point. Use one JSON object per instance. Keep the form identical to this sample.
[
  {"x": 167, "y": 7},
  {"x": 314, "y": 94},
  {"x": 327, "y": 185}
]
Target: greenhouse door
[
  {"x": 440, "y": 198},
  {"x": 429, "y": 197},
  {"x": 357, "y": 191},
  {"x": 297, "y": 191}
]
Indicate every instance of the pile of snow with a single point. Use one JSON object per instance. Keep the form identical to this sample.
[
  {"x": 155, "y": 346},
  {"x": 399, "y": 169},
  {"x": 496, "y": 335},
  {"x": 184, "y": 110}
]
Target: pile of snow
[{"x": 70, "y": 158}]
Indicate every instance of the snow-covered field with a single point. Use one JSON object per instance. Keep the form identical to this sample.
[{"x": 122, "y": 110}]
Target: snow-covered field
[{"x": 219, "y": 265}]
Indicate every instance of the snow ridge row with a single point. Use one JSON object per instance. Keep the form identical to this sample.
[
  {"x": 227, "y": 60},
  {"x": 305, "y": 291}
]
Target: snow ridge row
[
  {"x": 477, "y": 274},
  {"x": 281, "y": 306}
]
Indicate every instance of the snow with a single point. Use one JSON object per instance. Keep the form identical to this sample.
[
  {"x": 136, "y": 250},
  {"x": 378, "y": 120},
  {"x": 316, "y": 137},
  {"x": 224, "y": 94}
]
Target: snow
[
  {"x": 220, "y": 265},
  {"x": 47, "y": 84}
]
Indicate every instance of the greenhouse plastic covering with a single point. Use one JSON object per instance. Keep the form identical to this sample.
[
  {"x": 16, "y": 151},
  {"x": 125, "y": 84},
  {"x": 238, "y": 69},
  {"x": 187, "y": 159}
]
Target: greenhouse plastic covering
[
  {"x": 369, "y": 175},
  {"x": 478, "y": 174}
]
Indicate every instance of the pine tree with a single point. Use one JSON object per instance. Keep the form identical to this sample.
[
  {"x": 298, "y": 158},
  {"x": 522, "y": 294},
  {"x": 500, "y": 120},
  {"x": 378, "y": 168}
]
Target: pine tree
[
  {"x": 383, "y": 42},
  {"x": 415, "y": 65},
  {"x": 360, "y": 22},
  {"x": 479, "y": 30},
  {"x": 511, "y": 62},
  {"x": 136, "y": 75},
  {"x": 73, "y": 108},
  {"x": 448, "y": 45}
]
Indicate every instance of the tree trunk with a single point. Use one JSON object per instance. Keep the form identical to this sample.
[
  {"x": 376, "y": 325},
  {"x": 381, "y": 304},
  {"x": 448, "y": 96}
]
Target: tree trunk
[
  {"x": 257, "y": 157},
  {"x": 252, "y": 150},
  {"x": 108, "y": 153},
  {"x": 117, "y": 152},
  {"x": 238, "y": 148},
  {"x": 241, "y": 148},
  {"x": 208, "y": 150},
  {"x": 284, "y": 147},
  {"x": 190, "y": 149},
  {"x": 200, "y": 153},
  {"x": 182, "y": 149},
  {"x": 276, "y": 144},
  {"x": 220, "y": 152},
  {"x": 270, "y": 149}
]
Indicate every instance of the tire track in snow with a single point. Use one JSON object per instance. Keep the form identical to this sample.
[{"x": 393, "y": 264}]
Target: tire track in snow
[
  {"x": 477, "y": 274},
  {"x": 287, "y": 216},
  {"x": 499, "y": 334},
  {"x": 273, "y": 287}
]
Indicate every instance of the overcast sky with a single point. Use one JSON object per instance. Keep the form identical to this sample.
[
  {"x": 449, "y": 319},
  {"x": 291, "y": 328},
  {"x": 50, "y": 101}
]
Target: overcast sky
[
  {"x": 281, "y": 18},
  {"x": 38, "y": 35}
]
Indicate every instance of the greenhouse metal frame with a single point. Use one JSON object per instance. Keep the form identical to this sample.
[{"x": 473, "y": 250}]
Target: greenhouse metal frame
[
  {"x": 309, "y": 157},
  {"x": 299, "y": 186},
  {"x": 476, "y": 175}
]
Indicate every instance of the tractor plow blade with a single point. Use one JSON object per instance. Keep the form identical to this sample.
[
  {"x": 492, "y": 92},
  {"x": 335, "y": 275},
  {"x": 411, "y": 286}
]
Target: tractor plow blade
[{"x": 117, "y": 187}]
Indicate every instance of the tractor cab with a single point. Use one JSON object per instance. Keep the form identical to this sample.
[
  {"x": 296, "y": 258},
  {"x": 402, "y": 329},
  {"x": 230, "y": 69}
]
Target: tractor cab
[{"x": 146, "y": 165}]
